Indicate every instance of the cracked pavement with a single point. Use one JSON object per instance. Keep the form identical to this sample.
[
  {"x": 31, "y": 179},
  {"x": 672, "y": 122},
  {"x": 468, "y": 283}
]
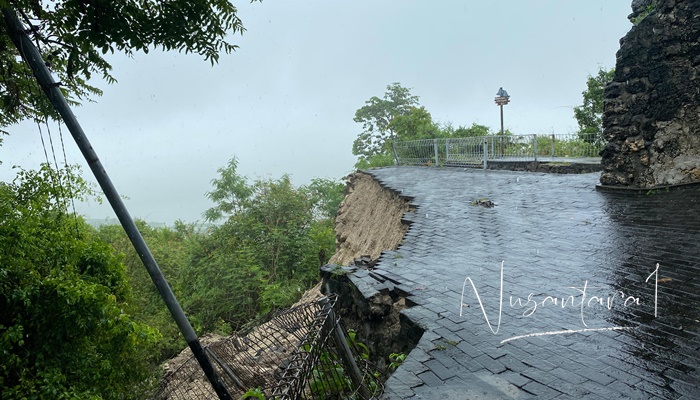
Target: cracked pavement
[{"x": 551, "y": 293}]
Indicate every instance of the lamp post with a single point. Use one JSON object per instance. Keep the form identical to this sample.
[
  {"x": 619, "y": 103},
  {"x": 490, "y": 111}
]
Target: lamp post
[{"x": 502, "y": 98}]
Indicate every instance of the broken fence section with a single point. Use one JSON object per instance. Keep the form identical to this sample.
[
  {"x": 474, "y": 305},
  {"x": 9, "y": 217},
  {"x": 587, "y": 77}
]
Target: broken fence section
[{"x": 299, "y": 353}]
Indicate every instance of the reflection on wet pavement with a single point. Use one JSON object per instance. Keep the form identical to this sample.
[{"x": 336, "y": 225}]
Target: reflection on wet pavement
[{"x": 552, "y": 292}]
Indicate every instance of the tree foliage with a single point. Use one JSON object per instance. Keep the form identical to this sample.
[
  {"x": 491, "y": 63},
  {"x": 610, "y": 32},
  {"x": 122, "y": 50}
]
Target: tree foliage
[
  {"x": 376, "y": 116},
  {"x": 171, "y": 247},
  {"x": 397, "y": 116},
  {"x": 474, "y": 130},
  {"x": 589, "y": 115},
  {"x": 416, "y": 124},
  {"x": 326, "y": 196},
  {"x": 230, "y": 192},
  {"x": 64, "y": 329},
  {"x": 266, "y": 252},
  {"x": 74, "y": 36}
]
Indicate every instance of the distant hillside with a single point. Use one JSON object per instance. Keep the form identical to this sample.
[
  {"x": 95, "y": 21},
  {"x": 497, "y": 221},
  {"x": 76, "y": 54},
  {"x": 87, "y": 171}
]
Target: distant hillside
[{"x": 96, "y": 222}]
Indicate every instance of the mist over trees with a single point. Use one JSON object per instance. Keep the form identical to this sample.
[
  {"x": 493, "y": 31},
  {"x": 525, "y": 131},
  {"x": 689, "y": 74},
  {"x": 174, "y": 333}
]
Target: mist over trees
[
  {"x": 79, "y": 315},
  {"x": 263, "y": 256}
]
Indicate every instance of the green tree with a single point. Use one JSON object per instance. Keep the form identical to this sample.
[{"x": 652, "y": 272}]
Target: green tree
[
  {"x": 231, "y": 191},
  {"x": 276, "y": 223},
  {"x": 64, "y": 329},
  {"x": 221, "y": 284},
  {"x": 416, "y": 124},
  {"x": 376, "y": 116},
  {"x": 326, "y": 196},
  {"x": 589, "y": 115},
  {"x": 266, "y": 252},
  {"x": 172, "y": 249},
  {"x": 475, "y": 130},
  {"x": 74, "y": 36}
]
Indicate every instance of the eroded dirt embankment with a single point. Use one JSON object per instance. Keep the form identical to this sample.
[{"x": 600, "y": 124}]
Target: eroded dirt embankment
[{"x": 369, "y": 220}]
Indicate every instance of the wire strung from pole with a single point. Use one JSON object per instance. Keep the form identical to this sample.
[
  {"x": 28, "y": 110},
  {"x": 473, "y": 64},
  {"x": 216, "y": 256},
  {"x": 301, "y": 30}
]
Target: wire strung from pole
[
  {"x": 68, "y": 181},
  {"x": 43, "y": 144},
  {"x": 53, "y": 150},
  {"x": 57, "y": 181},
  {"x": 56, "y": 186},
  {"x": 41, "y": 135}
]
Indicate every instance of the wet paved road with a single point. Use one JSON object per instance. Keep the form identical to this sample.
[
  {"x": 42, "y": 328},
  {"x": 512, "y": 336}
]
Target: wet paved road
[{"x": 574, "y": 259}]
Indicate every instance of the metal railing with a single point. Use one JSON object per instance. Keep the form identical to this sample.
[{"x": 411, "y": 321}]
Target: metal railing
[{"x": 479, "y": 151}]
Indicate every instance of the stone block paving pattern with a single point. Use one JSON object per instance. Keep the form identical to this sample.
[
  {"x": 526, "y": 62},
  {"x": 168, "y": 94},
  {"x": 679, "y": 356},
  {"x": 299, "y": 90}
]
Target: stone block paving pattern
[{"x": 582, "y": 315}]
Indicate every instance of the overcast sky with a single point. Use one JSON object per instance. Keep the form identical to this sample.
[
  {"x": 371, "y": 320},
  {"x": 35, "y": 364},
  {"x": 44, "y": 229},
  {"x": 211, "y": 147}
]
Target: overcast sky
[{"x": 284, "y": 102}]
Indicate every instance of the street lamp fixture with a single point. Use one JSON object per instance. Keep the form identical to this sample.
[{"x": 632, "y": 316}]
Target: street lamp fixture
[{"x": 502, "y": 98}]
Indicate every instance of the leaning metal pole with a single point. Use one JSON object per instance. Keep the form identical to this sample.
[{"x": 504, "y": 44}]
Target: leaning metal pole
[{"x": 31, "y": 56}]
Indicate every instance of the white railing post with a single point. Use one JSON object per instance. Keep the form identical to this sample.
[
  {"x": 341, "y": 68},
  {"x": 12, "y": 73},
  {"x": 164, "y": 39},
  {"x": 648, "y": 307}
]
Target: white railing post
[
  {"x": 552, "y": 146},
  {"x": 534, "y": 140},
  {"x": 396, "y": 156},
  {"x": 447, "y": 149},
  {"x": 486, "y": 152},
  {"x": 435, "y": 146}
]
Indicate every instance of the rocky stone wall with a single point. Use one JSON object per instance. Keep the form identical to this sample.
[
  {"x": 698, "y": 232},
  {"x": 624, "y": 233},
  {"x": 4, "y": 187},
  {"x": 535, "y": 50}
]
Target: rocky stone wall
[
  {"x": 371, "y": 304},
  {"x": 651, "y": 115},
  {"x": 547, "y": 167}
]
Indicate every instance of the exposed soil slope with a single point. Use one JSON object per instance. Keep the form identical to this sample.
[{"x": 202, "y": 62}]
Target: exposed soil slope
[{"x": 369, "y": 220}]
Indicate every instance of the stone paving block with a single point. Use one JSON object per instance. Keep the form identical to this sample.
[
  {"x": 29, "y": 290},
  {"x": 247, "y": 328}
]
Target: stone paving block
[
  {"x": 539, "y": 376},
  {"x": 540, "y": 390},
  {"x": 519, "y": 354},
  {"x": 495, "y": 352},
  {"x": 436, "y": 308},
  {"x": 419, "y": 355},
  {"x": 472, "y": 365},
  {"x": 407, "y": 378},
  {"x": 448, "y": 357},
  {"x": 652, "y": 390},
  {"x": 397, "y": 391},
  {"x": 439, "y": 369},
  {"x": 621, "y": 375},
  {"x": 430, "y": 379},
  {"x": 448, "y": 336},
  {"x": 489, "y": 363},
  {"x": 470, "y": 351},
  {"x": 595, "y": 376},
  {"x": 570, "y": 390},
  {"x": 539, "y": 363},
  {"x": 513, "y": 364},
  {"x": 451, "y": 326},
  {"x": 569, "y": 376},
  {"x": 629, "y": 391},
  {"x": 515, "y": 378},
  {"x": 413, "y": 366},
  {"x": 423, "y": 317}
]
